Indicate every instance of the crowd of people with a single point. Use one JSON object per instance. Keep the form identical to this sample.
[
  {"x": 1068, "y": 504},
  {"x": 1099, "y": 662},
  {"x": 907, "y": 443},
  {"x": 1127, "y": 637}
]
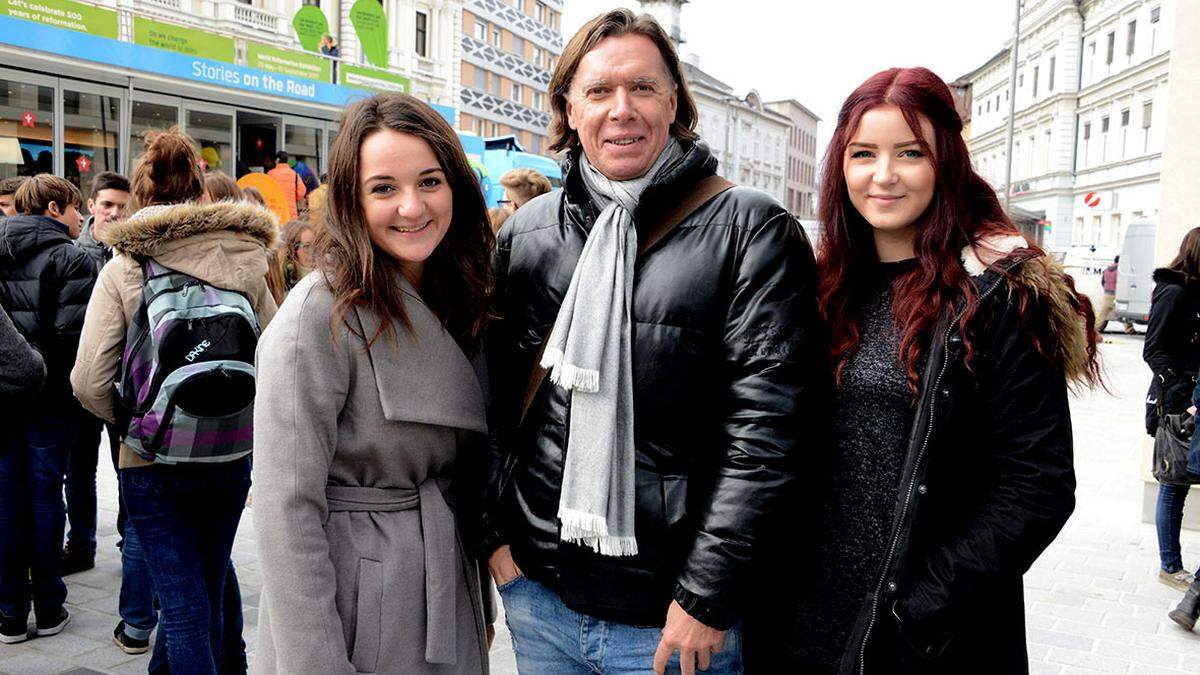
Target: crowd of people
[{"x": 639, "y": 409}]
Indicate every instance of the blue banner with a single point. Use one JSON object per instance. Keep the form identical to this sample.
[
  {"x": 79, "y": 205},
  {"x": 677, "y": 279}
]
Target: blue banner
[{"x": 72, "y": 44}]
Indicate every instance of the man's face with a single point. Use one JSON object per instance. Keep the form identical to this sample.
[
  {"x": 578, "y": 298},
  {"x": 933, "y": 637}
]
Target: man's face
[
  {"x": 622, "y": 102},
  {"x": 69, "y": 216},
  {"x": 8, "y": 204},
  {"x": 107, "y": 206}
]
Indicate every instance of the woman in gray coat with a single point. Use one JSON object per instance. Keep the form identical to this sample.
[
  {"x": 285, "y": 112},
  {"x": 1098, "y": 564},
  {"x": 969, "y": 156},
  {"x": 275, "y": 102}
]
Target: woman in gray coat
[
  {"x": 369, "y": 416},
  {"x": 23, "y": 370}
]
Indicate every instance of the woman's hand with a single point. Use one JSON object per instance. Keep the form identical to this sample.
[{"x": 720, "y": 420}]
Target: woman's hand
[{"x": 502, "y": 566}]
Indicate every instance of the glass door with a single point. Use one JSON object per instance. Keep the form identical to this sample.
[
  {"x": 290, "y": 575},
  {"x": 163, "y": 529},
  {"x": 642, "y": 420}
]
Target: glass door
[
  {"x": 212, "y": 127},
  {"x": 91, "y": 132},
  {"x": 26, "y": 124},
  {"x": 149, "y": 112},
  {"x": 258, "y": 136}
]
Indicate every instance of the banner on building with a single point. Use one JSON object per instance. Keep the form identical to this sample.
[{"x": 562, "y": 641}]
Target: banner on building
[
  {"x": 287, "y": 62},
  {"x": 371, "y": 26},
  {"x": 187, "y": 41},
  {"x": 311, "y": 25},
  {"x": 373, "y": 80},
  {"x": 74, "y": 16}
]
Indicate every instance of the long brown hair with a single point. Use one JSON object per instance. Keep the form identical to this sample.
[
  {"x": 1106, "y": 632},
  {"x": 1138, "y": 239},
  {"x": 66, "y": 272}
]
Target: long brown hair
[
  {"x": 1187, "y": 261},
  {"x": 457, "y": 280},
  {"x": 168, "y": 172},
  {"x": 964, "y": 211},
  {"x": 616, "y": 23},
  {"x": 284, "y": 268}
]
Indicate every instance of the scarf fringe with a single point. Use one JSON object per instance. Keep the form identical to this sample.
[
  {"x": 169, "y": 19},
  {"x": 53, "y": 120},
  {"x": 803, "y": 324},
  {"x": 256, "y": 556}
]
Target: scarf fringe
[
  {"x": 567, "y": 376},
  {"x": 591, "y": 531}
]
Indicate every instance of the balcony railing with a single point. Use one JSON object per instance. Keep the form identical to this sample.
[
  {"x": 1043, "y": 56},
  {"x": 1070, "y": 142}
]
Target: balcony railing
[{"x": 255, "y": 18}]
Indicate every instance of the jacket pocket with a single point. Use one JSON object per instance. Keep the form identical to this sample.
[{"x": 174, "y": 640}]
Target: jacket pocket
[{"x": 368, "y": 616}]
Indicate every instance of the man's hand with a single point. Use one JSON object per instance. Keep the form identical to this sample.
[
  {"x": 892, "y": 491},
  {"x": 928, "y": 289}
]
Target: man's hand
[
  {"x": 502, "y": 566},
  {"x": 693, "y": 640}
]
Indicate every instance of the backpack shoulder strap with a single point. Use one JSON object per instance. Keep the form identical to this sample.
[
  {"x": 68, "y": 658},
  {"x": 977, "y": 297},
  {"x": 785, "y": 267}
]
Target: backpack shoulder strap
[{"x": 703, "y": 192}]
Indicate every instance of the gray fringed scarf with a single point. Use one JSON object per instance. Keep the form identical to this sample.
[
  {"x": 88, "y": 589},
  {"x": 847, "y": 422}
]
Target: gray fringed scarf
[{"x": 589, "y": 353}]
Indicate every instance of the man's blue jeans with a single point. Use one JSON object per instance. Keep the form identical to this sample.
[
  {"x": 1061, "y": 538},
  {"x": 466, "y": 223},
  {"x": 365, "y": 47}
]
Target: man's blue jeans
[
  {"x": 33, "y": 457},
  {"x": 81, "y": 486},
  {"x": 1168, "y": 518},
  {"x": 185, "y": 519},
  {"x": 551, "y": 639}
]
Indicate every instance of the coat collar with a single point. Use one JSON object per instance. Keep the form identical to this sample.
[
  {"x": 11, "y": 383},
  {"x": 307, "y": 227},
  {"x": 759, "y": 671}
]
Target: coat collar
[
  {"x": 152, "y": 227},
  {"x": 422, "y": 375}
]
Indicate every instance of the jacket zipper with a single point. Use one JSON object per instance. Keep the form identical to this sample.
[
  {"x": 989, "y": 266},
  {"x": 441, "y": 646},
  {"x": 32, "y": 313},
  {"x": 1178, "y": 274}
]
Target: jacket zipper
[{"x": 887, "y": 560}]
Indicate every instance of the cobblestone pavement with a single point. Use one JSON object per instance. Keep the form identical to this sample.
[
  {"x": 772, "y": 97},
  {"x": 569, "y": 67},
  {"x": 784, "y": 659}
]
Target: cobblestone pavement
[{"x": 1094, "y": 604}]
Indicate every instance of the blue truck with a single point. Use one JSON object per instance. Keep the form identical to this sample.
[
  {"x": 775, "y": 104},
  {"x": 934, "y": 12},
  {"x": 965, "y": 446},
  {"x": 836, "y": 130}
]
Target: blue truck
[{"x": 493, "y": 157}]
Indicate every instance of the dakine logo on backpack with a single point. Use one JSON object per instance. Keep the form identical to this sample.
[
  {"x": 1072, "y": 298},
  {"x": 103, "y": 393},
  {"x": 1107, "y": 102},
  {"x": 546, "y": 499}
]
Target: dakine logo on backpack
[{"x": 187, "y": 374}]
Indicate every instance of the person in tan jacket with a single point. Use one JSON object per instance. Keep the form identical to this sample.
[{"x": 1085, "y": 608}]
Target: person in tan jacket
[{"x": 182, "y": 517}]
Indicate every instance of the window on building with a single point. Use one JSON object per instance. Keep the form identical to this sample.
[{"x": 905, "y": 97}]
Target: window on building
[
  {"x": 1147, "y": 114},
  {"x": 1050, "y": 79},
  {"x": 1125, "y": 117},
  {"x": 989, "y": 105},
  {"x": 481, "y": 30},
  {"x": 1154, "y": 14},
  {"x": 1112, "y": 43},
  {"x": 537, "y": 144},
  {"x": 1104, "y": 124},
  {"x": 518, "y": 46},
  {"x": 1021, "y": 79},
  {"x": 1036, "y": 70},
  {"x": 422, "y": 44},
  {"x": 496, "y": 36},
  {"x": 539, "y": 56},
  {"x": 540, "y": 13},
  {"x": 518, "y": 93},
  {"x": 1087, "y": 131},
  {"x": 539, "y": 100},
  {"x": 481, "y": 79},
  {"x": 1131, "y": 38}
]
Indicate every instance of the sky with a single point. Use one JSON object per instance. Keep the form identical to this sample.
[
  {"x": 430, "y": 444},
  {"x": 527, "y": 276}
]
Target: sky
[{"x": 818, "y": 51}]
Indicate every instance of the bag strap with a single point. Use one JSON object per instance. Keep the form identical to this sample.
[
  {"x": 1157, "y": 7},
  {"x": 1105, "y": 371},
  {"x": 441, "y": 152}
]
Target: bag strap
[{"x": 703, "y": 192}]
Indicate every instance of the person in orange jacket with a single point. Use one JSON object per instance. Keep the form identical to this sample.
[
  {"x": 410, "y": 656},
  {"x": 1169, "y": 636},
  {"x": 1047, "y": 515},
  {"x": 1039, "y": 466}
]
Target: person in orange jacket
[{"x": 293, "y": 188}]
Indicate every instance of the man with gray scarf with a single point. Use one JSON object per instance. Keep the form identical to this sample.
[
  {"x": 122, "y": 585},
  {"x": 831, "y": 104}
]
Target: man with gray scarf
[{"x": 655, "y": 362}]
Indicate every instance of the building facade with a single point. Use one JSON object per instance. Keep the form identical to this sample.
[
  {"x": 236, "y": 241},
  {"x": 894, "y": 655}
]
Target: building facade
[
  {"x": 800, "y": 176},
  {"x": 509, "y": 49},
  {"x": 1091, "y": 75}
]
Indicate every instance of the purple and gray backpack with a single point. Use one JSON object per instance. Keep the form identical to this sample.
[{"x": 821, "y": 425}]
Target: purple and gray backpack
[{"x": 187, "y": 376}]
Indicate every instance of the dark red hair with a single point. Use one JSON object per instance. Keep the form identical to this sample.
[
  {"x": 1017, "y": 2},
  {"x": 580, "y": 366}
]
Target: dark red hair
[{"x": 964, "y": 209}]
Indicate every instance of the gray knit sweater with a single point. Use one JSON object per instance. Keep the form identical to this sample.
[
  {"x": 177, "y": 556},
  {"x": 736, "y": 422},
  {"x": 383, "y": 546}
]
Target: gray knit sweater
[{"x": 21, "y": 367}]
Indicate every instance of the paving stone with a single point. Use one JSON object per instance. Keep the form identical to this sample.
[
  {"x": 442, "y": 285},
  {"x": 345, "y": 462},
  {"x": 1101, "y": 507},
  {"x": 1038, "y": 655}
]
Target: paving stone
[
  {"x": 1072, "y": 657},
  {"x": 1145, "y": 656}
]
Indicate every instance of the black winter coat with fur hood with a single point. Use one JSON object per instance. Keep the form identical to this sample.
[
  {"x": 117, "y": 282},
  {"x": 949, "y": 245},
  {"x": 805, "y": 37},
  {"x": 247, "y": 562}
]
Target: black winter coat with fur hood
[{"x": 1172, "y": 347}]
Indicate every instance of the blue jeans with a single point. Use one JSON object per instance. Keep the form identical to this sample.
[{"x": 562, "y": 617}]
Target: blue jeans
[
  {"x": 33, "y": 459},
  {"x": 81, "y": 486},
  {"x": 185, "y": 519},
  {"x": 1168, "y": 518},
  {"x": 551, "y": 639}
]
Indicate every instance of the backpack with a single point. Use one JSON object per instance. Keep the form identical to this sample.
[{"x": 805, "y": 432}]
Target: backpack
[{"x": 186, "y": 386}]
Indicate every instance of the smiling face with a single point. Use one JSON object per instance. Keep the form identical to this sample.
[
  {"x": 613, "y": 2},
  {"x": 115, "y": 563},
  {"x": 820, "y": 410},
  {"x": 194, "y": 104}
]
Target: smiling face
[
  {"x": 304, "y": 248},
  {"x": 621, "y": 103},
  {"x": 890, "y": 178},
  {"x": 405, "y": 197},
  {"x": 107, "y": 206}
]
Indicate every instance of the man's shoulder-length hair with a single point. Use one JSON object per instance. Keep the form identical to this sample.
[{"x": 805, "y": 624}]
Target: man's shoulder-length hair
[{"x": 616, "y": 23}]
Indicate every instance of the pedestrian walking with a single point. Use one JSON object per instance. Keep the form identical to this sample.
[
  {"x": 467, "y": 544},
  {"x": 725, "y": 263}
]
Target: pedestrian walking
[
  {"x": 676, "y": 370},
  {"x": 369, "y": 425},
  {"x": 289, "y": 181},
  {"x": 291, "y": 259},
  {"x": 954, "y": 341},
  {"x": 45, "y": 282},
  {"x": 1108, "y": 304},
  {"x": 1172, "y": 350},
  {"x": 185, "y": 466}
]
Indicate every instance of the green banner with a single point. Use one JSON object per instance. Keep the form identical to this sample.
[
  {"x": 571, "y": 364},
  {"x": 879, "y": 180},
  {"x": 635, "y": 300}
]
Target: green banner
[
  {"x": 151, "y": 33},
  {"x": 310, "y": 24},
  {"x": 367, "y": 18},
  {"x": 286, "y": 62},
  {"x": 64, "y": 14},
  {"x": 374, "y": 80}
]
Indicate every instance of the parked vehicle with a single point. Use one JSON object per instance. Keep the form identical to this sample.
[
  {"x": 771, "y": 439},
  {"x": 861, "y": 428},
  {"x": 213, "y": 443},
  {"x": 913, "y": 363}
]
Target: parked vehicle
[{"x": 1135, "y": 280}]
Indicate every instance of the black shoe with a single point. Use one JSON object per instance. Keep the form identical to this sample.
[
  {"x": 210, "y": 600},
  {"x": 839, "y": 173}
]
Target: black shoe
[
  {"x": 76, "y": 562},
  {"x": 13, "y": 630},
  {"x": 127, "y": 644},
  {"x": 53, "y": 624},
  {"x": 1189, "y": 608}
]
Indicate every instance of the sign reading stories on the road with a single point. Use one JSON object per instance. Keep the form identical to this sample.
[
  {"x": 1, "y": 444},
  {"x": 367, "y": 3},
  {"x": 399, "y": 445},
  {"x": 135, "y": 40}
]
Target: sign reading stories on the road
[
  {"x": 372, "y": 80},
  {"x": 74, "y": 16},
  {"x": 189, "y": 41},
  {"x": 286, "y": 62}
]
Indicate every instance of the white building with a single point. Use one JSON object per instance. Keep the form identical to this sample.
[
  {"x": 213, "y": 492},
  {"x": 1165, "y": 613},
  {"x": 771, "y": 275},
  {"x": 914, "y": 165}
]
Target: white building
[
  {"x": 801, "y": 157},
  {"x": 1091, "y": 75}
]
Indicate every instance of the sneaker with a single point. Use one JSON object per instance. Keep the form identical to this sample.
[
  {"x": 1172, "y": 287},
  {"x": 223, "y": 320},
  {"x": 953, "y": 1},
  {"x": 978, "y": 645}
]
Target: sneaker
[
  {"x": 128, "y": 644},
  {"x": 76, "y": 562},
  {"x": 13, "y": 630},
  {"x": 1178, "y": 580},
  {"x": 53, "y": 625}
]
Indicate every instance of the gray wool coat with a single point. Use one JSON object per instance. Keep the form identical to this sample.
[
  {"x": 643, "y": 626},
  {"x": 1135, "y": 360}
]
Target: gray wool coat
[{"x": 363, "y": 566}]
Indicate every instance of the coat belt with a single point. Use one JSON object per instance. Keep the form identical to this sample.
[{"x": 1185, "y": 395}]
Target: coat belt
[{"x": 441, "y": 555}]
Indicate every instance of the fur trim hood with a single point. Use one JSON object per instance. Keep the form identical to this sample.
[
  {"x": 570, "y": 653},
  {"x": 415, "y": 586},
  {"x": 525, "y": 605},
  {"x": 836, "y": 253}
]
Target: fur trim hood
[
  {"x": 1166, "y": 275},
  {"x": 146, "y": 232},
  {"x": 1042, "y": 279}
]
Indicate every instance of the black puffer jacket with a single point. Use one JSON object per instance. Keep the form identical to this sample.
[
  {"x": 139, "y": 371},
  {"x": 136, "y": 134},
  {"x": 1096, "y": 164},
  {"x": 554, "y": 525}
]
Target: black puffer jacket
[
  {"x": 986, "y": 485},
  {"x": 728, "y": 368},
  {"x": 45, "y": 284},
  {"x": 1172, "y": 347}
]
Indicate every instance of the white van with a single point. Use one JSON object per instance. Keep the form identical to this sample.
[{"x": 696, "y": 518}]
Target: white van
[{"x": 1135, "y": 274}]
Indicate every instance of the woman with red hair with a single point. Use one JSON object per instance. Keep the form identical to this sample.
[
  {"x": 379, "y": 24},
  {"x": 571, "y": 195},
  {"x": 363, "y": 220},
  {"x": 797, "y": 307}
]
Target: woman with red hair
[{"x": 954, "y": 341}]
